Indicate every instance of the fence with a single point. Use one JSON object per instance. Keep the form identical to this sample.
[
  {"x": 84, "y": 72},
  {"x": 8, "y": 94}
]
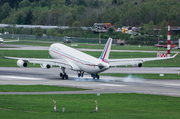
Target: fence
[{"x": 52, "y": 38}]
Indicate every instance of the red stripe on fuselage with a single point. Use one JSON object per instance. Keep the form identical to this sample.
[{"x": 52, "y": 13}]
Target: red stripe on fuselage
[
  {"x": 66, "y": 56},
  {"x": 106, "y": 52},
  {"x": 69, "y": 58}
]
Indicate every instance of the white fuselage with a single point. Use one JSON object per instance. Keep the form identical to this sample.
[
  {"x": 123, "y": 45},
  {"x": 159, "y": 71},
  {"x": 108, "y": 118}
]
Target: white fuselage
[{"x": 78, "y": 60}]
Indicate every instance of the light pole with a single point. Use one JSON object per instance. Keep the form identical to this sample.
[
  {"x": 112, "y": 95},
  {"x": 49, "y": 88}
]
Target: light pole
[{"x": 99, "y": 36}]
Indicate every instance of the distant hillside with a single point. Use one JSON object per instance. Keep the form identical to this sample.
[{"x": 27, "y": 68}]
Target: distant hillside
[{"x": 87, "y": 12}]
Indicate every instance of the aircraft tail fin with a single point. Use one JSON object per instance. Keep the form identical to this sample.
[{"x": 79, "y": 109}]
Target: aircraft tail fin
[{"x": 105, "y": 54}]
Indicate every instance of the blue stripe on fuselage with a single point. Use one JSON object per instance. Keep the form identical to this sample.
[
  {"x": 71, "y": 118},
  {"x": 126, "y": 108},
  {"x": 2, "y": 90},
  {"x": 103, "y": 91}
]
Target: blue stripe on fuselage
[
  {"x": 105, "y": 49},
  {"x": 72, "y": 57}
]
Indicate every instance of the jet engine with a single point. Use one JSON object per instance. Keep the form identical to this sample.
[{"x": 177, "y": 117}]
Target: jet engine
[
  {"x": 137, "y": 65},
  {"x": 21, "y": 63},
  {"x": 100, "y": 66},
  {"x": 45, "y": 66}
]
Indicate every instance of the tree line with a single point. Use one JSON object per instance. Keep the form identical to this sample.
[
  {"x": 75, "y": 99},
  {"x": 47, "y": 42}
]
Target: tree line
[
  {"x": 87, "y": 12},
  {"x": 145, "y": 13}
]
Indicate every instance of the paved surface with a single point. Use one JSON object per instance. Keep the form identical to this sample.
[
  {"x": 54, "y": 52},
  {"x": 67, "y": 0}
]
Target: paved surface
[
  {"x": 23, "y": 47},
  {"x": 29, "y": 47},
  {"x": 107, "y": 84}
]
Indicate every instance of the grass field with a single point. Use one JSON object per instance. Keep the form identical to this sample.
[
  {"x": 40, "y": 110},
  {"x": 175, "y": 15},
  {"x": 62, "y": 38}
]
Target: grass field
[
  {"x": 34, "y": 43},
  {"x": 113, "y": 55},
  {"x": 91, "y": 46},
  {"x": 82, "y": 106},
  {"x": 35, "y": 88},
  {"x": 144, "y": 76}
]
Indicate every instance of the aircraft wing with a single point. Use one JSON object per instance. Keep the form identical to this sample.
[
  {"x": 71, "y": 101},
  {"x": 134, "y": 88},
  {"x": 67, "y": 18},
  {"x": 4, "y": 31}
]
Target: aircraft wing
[
  {"x": 55, "y": 62},
  {"x": 131, "y": 61}
]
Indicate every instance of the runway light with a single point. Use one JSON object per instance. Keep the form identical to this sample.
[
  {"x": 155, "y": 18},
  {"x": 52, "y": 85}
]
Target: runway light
[
  {"x": 161, "y": 74},
  {"x": 55, "y": 110},
  {"x": 96, "y": 109},
  {"x": 63, "y": 109}
]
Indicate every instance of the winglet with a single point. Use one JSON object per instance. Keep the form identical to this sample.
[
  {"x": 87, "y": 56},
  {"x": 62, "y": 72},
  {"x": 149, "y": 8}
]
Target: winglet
[{"x": 175, "y": 55}]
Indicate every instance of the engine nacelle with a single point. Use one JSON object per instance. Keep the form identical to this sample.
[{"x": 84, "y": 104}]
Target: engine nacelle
[
  {"x": 45, "y": 66},
  {"x": 137, "y": 65},
  {"x": 21, "y": 63}
]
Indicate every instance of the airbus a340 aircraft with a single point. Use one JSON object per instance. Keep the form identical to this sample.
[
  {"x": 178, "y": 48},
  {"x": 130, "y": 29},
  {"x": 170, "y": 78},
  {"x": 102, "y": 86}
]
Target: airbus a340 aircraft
[
  {"x": 67, "y": 57},
  {"x": 2, "y": 40}
]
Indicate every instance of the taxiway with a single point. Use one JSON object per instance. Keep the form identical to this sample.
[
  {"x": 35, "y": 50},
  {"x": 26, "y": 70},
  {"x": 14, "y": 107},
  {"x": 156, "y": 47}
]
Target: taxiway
[{"x": 107, "y": 84}]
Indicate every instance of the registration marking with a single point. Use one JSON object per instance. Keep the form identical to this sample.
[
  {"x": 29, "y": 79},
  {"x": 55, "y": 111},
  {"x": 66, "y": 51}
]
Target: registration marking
[
  {"x": 20, "y": 78},
  {"x": 112, "y": 85},
  {"x": 173, "y": 84}
]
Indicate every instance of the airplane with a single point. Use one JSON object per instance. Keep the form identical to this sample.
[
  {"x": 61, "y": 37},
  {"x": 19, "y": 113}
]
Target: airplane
[
  {"x": 67, "y": 57},
  {"x": 2, "y": 40}
]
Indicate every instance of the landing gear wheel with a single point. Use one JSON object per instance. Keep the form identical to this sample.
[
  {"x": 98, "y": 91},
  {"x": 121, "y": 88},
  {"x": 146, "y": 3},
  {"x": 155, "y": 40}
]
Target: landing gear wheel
[
  {"x": 79, "y": 75},
  {"x": 60, "y": 74},
  {"x": 97, "y": 76},
  {"x": 63, "y": 76}
]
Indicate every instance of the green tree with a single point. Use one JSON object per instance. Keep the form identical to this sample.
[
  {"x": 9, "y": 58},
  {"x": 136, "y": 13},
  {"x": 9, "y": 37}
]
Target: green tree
[
  {"x": 5, "y": 11},
  {"x": 151, "y": 28},
  {"x": 28, "y": 18},
  {"x": 81, "y": 2},
  {"x": 49, "y": 32},
  {"x": 111, "y": 32},
  {"x": 68, "y": 2},
  {"x": 19, "y": 19},
  {"x": 164, "y": 29},
  {"x": 43, "y": 3},
  {"x": 95, "y": 3},
  {"x": 76, "y": 29},
  {"x": 38, "y": 31},
  {"x": 161, "y": 16},
  {"x": 24, "y": 3},
  {"x": 81, "y": 9}
]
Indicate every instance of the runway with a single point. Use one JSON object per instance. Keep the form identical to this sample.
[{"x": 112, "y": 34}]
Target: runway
[
  {"x": 30, "y": 47},
  {"x": 106, "y": 84}
]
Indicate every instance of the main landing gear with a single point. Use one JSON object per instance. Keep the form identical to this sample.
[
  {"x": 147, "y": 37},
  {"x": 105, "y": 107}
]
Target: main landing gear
[
  {"x": 80, "y": 74},
  {"x": 95, "y": 76},
  {"x": 63, "y": 75}
]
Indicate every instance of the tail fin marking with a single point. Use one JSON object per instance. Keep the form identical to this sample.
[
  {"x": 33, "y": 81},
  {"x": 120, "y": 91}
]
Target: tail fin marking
[{"x": 105, "y": 54}]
